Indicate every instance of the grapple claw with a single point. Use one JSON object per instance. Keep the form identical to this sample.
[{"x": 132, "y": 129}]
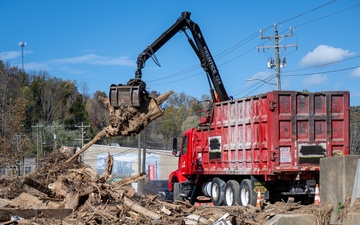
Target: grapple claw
[{"x": 132, "y": 93}]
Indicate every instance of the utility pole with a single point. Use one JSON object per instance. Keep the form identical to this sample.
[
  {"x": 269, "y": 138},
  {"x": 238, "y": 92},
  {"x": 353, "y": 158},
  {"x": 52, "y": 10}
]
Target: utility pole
[
  {"x": 82, "y": 136},
  {"x": 142, "y": 162},
  {"x": 278, "y": 64},
  {"x": 139, "y": 153},
  {"x": 144, "y": 154},
  {"x": 37, "y": 143},
  {"x": 18, "y": 141},
  {"x": 82, "y": 132},
  {"x": 55, "y": 144},
  {"x": 139, "y": 183}
]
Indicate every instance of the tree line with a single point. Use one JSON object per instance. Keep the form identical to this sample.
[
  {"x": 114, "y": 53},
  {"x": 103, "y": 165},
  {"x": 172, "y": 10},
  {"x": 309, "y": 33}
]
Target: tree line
[{"x": 39, "y": 113}]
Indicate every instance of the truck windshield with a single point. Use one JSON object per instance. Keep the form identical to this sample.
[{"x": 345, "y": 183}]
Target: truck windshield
[{"x": 184, "y": 145}]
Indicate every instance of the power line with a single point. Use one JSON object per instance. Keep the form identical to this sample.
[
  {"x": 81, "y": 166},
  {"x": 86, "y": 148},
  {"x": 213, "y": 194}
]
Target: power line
[
  {"x": 196, "y": 67},
  {"x": 236, "y": 46},
  {"x": 289, "y": 75},
  {"x": 242, "y": 43},
  {"x": 302, "y": 14},
  {"x": 200, "y": 73},
  {"x": 321, "y": 65},
  {"x": 322, "y": 72},
  {"x": 331, "y": 14},
  {"x": 292, "y": 75}
]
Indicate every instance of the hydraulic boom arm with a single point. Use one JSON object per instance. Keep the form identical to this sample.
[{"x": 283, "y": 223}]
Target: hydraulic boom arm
[{"x": 135, "y": 88}]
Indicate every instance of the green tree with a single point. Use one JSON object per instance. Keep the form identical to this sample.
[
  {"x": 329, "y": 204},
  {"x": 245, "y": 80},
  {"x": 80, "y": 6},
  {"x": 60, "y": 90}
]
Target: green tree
[
  {"x": 180, "y": 113},
  {"x": 56, "y": 100}
]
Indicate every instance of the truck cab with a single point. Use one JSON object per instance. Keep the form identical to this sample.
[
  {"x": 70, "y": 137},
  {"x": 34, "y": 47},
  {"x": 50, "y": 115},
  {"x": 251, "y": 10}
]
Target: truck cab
[{"x": 181, "y": 175}]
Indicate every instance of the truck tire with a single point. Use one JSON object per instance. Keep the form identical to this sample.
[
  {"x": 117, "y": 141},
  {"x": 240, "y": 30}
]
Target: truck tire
[
  {"x": 247, "y": 193},
  {"x": 217, "y": 191},
  {"x": 232, "y": 193},
  {"x": 177, "y": 188},
  {"x": 206, "y": 189}
]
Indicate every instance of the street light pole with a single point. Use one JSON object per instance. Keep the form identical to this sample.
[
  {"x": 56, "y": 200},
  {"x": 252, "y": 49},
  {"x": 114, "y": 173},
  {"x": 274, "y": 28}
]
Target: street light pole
[{"x": 22, "y": 45}]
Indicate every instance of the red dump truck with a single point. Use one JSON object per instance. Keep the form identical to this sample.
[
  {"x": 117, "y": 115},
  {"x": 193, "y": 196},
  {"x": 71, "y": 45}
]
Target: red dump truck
[{"x": 269, "y": 144}]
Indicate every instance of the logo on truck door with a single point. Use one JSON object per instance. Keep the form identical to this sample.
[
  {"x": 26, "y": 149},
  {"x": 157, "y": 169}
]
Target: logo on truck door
[{"x": 215, "y": 147}]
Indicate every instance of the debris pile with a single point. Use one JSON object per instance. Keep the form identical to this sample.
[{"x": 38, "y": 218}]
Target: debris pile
[{"x": 90, "y": 198}]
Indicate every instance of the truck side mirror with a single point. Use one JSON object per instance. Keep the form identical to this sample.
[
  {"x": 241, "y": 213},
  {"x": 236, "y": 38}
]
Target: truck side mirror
[{"x": 174, "y": 147}]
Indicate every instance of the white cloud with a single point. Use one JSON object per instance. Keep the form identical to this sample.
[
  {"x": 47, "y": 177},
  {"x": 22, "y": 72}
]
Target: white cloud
[
  {"x": 9, "y": 55},
  {"x": 13, "y": 54},
  {"x": 356, "y": 73},
  {"x": 96, "y": 60},
  {"x": 69, "y": 64},
  {"x": 91, "y": 59},
  {"x": 74, "y": 60},
  {"x": 120, "y": 61},
  {"x": 317, "y": 79},
  {"x": 324, "y": 54},
  {"x": 37, "y": 66}
]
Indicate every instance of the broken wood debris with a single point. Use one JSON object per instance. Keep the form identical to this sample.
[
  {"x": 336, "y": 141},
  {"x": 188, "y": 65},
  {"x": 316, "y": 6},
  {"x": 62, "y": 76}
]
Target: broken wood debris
[
  {"x": 92, "y": 199},
  {"x": 127, "y": 120}
]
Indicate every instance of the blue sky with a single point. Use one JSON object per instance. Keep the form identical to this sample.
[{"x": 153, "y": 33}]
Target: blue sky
[{"x": 97, "y": 43}]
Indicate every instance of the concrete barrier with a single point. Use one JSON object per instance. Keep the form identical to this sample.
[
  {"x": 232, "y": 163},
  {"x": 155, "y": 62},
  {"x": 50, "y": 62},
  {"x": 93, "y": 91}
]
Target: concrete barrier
[
  {"x": 352, "y": 219},
  {"x": 356, "y": 188},
  {"x": 337, "y": 180}
]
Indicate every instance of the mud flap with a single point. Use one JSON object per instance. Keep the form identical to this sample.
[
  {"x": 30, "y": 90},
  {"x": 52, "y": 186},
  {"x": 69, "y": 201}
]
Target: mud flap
[{"x": 194, "y": 195}]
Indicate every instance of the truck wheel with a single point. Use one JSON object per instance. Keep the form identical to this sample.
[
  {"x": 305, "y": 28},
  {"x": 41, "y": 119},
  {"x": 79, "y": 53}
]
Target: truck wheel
[
  {"x": 247, "y": 193},
  {"x": 177, "y": 188},
  {"x": 217, "y": 191},
  {"x": 206, "y": 189},
  {"x": 232, "y": 193}
]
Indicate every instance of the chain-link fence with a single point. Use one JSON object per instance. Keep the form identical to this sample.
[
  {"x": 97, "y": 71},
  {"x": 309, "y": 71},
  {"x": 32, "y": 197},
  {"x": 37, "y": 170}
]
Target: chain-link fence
[{"x": 25, "y": 166}]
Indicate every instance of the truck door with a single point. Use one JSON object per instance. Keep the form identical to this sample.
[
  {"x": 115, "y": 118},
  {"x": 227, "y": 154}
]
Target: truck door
[{"x": 185, "y": 154}]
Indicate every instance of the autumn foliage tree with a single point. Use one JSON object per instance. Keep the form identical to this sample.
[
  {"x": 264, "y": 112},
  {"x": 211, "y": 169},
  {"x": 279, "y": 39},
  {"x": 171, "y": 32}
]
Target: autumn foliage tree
[
  {"x": 37, "y": 100},
  {"x": 14, "y": 141},
  {"x": 48, "y": 110}
]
